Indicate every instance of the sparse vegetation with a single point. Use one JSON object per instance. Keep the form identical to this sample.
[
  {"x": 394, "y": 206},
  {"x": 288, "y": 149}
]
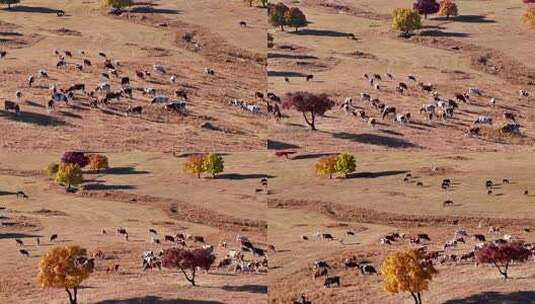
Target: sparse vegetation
[
  {"x": 66, "y": 268},
  {"x": 52, "y": 169}
]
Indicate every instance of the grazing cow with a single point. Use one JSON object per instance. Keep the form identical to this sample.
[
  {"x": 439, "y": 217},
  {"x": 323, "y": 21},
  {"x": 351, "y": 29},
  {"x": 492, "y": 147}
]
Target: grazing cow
[
  {"x": 428, "y": 109},
  {"x": 365, "y": 96},
  {"x": 42, "y": 73},
  {"x": 523, "y": 93},
  {"x": 411, "y": 77},
  {"x": 30, "y": 80},
  {"x": 243, "y": 24},
  {"x": 479, "y": 237},
  {"x": 76, "y": 87},
  {"x": 483, "y": 120},
  {"x": 473, "y": 131},
  {"x": 510, "y": 128},
  {"x": 209, "y": 71},
  {"x": 526, "y": 192},
  {"x": 425, "y": 87},
  {"x": 19, "y": 242},
  {"x": 160, "y": 99},
  {"x": 159, "y": 68},
  {"x": 419, "y": 184},
  {"x": 402, "y": 118},
  {"x": 309, "y": 77},
  {"x": 198, "y": 239},
  {"x": 450, "y": 244},
  {"x": 387, "y": 111},
  {"x": 169, "y": 238},
  {"x": 176, "y": 107},
  {"x": 447, "y": 203},
  {"x": 320, "y": 272},
  {"x": 367, "y": 269},
  {"x": 134, "y": 110},
  {"x": 3, "y": 54},
  {"x": 320, "y": 264},
  {"x": 53, "y": 237},
  {"x": 302, "y": 300},
  {"x": 509, "y": 116},
  {"x": 11, "y": 106},
  {"x": 474, "y": 91},
  {"x": 24, "y": 252},
  {"x": 505, "y": 181},
  {"x": 21, "y": 194},
  {"x": 330, "y": 281},
  {"x": 462, "y": 97},
  {"x": 489, "y": 184}
]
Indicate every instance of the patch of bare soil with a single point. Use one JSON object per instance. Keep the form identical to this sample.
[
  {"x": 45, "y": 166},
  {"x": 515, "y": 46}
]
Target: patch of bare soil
[
  {"x": 361, "y": 55},
  {"x": 179, "y": 210},
  {"x": 362, "y": 215}
]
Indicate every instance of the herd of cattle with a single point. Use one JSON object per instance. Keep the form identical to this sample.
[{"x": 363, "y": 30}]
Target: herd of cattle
[
  {"x": 105, "y": 92},
  {"x": 443, "y": 108}
]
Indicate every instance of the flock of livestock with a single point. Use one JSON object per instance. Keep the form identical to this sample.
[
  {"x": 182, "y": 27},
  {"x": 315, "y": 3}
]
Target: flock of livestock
[
  {"x": 104, "y": 93},
  {"x": 439, "y": 107}
]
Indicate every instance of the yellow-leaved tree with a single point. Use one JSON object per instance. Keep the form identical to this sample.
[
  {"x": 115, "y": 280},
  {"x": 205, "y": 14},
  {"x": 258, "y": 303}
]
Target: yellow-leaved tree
[
  {"x": 194, "y": 165},
  {"x": 407, "y": 271},
  {"x": 213, "y": 163},
  {"x": 345, "y": 164},
  {"x": 69, "y": 174},
  {"x": 326, "y": 166},
  {"x": 65, "y": 267},
  {"x": 406, "y": 20}
]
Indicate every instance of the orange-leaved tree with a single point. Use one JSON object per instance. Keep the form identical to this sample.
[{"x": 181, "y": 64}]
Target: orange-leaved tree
[
  {"x": 326, "y": 166},
  {"x": 407, "y": 271},
  {"x": 195, "y": 165},
  {"x": 529, "y": 16},
  {"x": 98, "y": 162},
  {"x": 448, "y": 8},
  {"x": 65, "y": 267}
]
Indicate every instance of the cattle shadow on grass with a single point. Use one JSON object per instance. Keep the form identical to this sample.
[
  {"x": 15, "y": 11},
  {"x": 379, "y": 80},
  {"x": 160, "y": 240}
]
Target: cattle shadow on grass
[
  {"x": 71, "y": 115},
  {"x": 494, "y": 297},
  {"x": 31, "y": 9},
  {"x": 377, "y": 140},
  {"x": 156, "y": 300},
  {"x": 2, "y": 193},
  {"x": 124, "y": 171},
  {"x": 34, "y": 104},
  {"x": 34, "y": 118},
  {"x": 323, "y": 33},
  {"x": 376, "y": 174},
  {"x": 247, "y": 288},
  {"x": 238, "y": 176}
]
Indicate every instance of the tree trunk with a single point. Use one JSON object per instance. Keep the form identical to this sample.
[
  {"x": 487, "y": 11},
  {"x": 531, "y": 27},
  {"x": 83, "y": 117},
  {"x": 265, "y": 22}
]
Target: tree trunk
[
  {"x": 419, "y": 297},
  {"x": 75, "y": 295},
  {"x": 282, "y": 28},
  {"x": 414, "y": 298},
  {"x": 425, "y": 16},
  {"x": 199, "y": 175},
  {"x": 330, "y": 176},
  {"x": 310, "y": 122},
  {"x": 192, "y": 279},
  {"x": 72, "y": 299}
]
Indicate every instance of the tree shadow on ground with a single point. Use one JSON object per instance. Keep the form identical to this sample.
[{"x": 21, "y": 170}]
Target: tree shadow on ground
[
  {"x": 238, "y": 176},
  {"x": 323, "y": 33},
  {"x": 279, "y": 145},
  {"x": 34, "y": 118},
  {"x": 438, "y": 33},
  {"x": 376, "y": 174},
  {"x": 157, "y": 300},
  {"x": 493, "y": 297},
  {"x": 467, "y": 19},
  {"x": 124, "y": 171},
  {"x": 97, "y": 186},
  {"x": 17, "y": 236},
  {"x": 247, "y": 288},
  {"x": 152, "y": 10},
  {"x": 285, "y": 74},
  {"x": 31, "y": 9},
  {"x": 378, "y": 140},
  {"x": 312, "y": 155},
  {"x": 289, "y": 56}
]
